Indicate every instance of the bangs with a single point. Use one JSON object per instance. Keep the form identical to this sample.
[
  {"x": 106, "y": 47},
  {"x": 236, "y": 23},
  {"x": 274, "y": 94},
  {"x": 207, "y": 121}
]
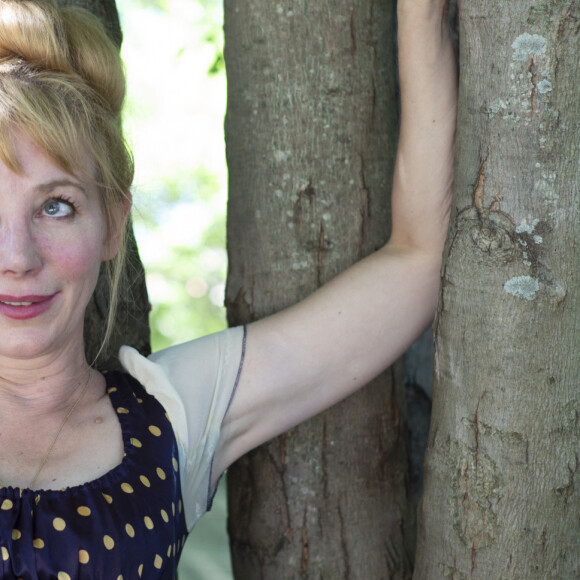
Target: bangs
[
  {"x": 50, "y": 114},
  {"x": 7, "y": 155}
]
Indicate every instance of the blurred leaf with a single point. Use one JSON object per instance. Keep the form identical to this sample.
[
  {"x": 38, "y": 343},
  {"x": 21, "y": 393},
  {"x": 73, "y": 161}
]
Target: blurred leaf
[{"x": 218, "y": 65}]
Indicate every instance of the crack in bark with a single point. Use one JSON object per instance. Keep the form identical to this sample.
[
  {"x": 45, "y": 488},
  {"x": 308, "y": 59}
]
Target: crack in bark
[
  {"x": 528, "y": 452},
  {"x": 305, "y": 554},
  {"x": 373, "y": 98},
  {"x": 353, "y": 45},
  {"x": 343, "y": 544},
  {"x": 364, "y": 210},
  {"x": 476, "y": 425},
  {"x": 307, "y": 192},
  {"x": 544, "y": 539},
  {"x": 480, "y": 187},
  {"x": 567, "y": 490},
  {"x": 458, "y": 231},
  {"x": 560, "y": 35},
  {"x": 531, "y": 70},
  {"x": 279, "y": 464},
  {"x": 282, "y": 440}
]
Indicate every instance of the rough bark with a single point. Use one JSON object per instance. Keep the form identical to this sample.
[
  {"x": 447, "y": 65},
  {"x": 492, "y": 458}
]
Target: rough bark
[
  {"x": 501, "y": 498},
  {"x": 132, "y": 320},
  {"x": 310, "y": 137}
]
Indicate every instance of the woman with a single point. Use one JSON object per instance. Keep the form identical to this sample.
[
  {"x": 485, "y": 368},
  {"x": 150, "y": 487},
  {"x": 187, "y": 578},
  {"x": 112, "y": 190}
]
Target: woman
[{"x": 102, "y": 478}]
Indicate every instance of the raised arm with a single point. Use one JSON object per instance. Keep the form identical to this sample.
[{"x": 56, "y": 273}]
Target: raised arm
[
  {"x": 308, "y": 357},
  {"x": 424, "y": 168}
]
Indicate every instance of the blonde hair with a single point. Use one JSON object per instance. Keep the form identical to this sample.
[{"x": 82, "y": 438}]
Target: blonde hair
[{"x": 62, "y": 83}]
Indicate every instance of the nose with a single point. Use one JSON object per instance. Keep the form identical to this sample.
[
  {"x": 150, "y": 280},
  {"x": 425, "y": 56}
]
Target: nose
[{"x": 19, "y": 253}]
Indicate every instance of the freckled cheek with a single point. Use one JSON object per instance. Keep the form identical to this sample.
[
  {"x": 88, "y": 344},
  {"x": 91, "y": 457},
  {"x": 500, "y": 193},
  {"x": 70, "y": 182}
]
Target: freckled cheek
[{"x": 74, "y": 261}]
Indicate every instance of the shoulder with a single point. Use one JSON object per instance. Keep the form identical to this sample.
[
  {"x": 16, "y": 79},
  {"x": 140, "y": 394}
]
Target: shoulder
[
  {"x": 222, "y": 348},
  {"x": 204, "y": 360}
]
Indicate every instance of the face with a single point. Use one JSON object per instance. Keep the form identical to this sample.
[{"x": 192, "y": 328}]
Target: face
[{"x": 52, "y": 241}]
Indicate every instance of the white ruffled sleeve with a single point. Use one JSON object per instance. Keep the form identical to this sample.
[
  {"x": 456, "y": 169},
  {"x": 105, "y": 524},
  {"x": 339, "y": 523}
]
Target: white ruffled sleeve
[{"x": 195, "y": 383}]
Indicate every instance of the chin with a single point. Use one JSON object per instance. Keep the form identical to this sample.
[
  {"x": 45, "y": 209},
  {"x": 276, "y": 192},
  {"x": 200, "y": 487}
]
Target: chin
[{"x": 33, "y": 344}]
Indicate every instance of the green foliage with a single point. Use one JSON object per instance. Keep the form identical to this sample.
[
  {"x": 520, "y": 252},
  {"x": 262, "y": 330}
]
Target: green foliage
[
  {"x": 173, "y": 117},
  {"x": 185, "y": 268},
  {"x": 218, "y": 65}
]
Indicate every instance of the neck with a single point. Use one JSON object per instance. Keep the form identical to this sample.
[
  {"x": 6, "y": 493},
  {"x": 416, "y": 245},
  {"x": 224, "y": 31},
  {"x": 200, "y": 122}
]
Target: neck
[{"x": 40, "y": 386}]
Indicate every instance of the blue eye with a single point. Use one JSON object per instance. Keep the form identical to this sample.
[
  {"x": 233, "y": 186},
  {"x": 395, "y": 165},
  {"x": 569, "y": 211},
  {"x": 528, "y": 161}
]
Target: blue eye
[{"x": 57, "y": 208}]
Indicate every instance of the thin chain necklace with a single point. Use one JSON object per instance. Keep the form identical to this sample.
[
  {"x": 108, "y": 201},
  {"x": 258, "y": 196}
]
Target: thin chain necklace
[{"x": 61, "y": 427}]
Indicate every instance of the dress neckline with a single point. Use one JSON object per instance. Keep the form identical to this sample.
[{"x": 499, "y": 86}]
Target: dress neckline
[{"x": 121, "y": 400}]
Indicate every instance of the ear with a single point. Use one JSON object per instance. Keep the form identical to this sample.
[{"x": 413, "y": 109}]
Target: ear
[{"x": 112, "y": 242}]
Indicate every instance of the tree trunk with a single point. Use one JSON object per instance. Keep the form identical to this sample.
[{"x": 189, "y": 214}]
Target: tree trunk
[
  {"x": 132, "y": 320},
  {"x": 310, "y": 135},
  {"x": 500, "y": 497}
]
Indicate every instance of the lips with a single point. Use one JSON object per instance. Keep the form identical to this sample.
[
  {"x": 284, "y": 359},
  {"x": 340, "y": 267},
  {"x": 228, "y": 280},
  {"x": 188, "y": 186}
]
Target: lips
[{"x": 24, "y": 307}]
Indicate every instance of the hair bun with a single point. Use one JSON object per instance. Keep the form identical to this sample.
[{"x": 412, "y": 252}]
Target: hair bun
[
  {"x": 32, "y": 33},
  {"x": 69, "y": 40},
  {"x": 95, "y": 56}
]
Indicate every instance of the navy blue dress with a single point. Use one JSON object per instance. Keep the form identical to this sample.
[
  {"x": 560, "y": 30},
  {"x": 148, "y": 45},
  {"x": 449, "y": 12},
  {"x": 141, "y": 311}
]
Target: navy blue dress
[{"x": 127, "y": 524}]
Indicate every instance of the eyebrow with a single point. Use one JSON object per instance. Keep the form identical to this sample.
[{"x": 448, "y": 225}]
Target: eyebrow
[{"x": 51, "y": 185}]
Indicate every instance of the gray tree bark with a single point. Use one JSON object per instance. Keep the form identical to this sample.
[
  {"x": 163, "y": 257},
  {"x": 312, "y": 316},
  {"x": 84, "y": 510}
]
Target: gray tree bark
[
  {"x": 310, "y": 135},
  {"x": 132, "y": 320},
  {"x": 501, "y": 498}
]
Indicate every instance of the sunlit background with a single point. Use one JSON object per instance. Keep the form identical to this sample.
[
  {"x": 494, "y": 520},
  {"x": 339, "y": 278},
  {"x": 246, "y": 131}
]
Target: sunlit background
[{"x": 174, "y": 122}]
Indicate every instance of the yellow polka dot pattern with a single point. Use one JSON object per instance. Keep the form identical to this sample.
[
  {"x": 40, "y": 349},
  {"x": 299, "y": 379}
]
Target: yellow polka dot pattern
[
  {"x": 155, "y": 430},
  {"x": 126, "y": 487},
  {"x": 149, "y": 534}
]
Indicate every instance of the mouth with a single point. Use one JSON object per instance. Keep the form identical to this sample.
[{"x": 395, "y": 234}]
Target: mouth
[{"x": 24, "y": 307}]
